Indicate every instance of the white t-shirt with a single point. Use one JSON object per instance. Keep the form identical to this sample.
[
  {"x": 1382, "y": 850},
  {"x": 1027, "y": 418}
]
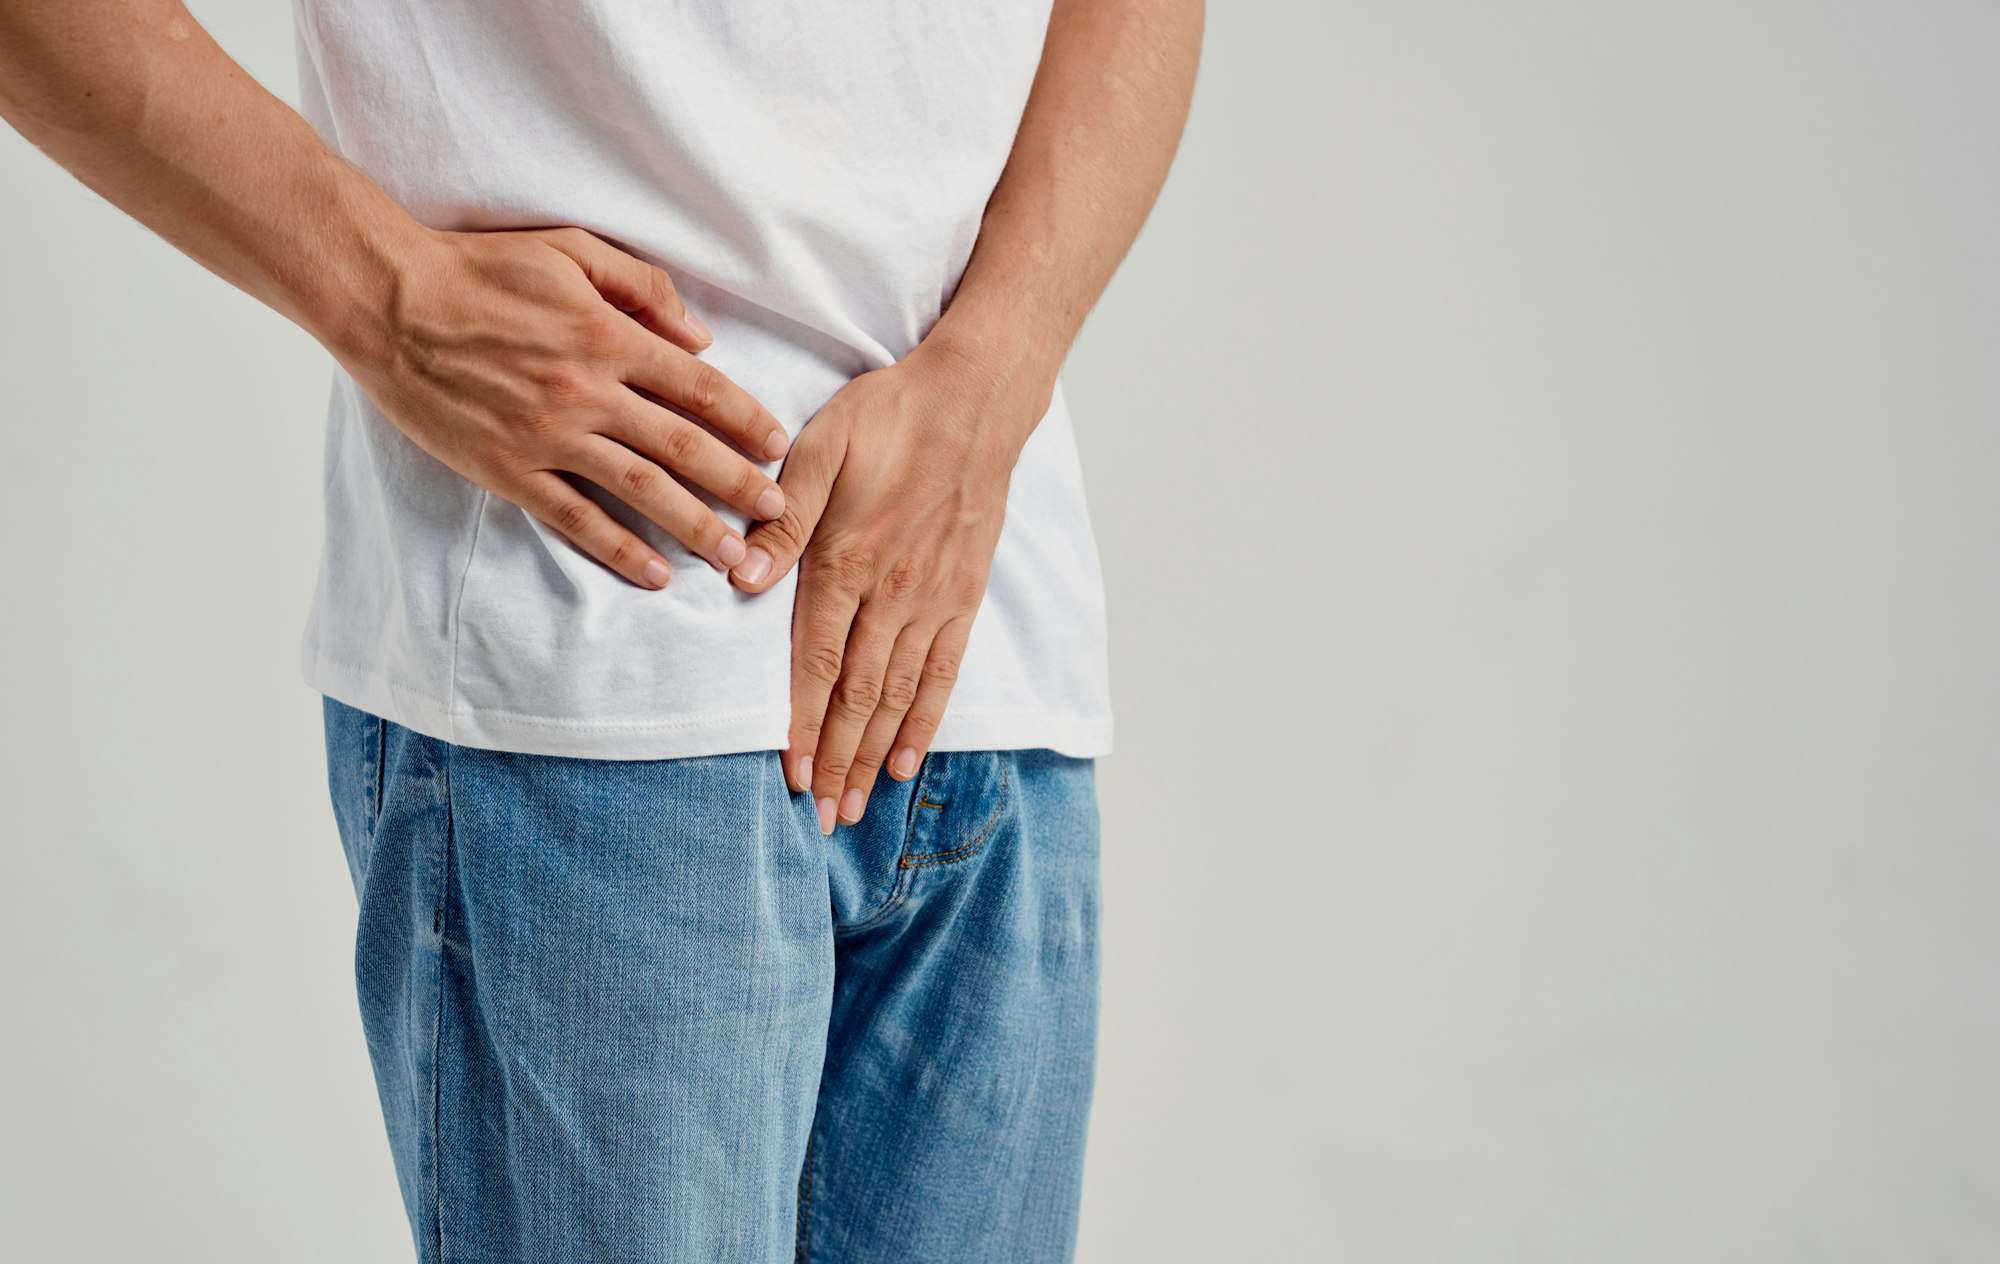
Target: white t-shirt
[{"x": 812, "y": 175}]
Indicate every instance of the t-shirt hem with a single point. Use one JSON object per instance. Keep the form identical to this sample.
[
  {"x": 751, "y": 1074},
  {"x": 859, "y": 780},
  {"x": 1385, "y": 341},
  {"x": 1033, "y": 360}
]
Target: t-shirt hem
[
  {"x": 1080, "y": 736},
  {"x": 980, "y": 729}
]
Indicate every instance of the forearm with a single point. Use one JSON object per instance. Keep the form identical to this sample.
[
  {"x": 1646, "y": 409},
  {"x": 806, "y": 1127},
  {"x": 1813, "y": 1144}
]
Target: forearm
[
  {"x": 1095, "y": 141},
  {"x": 135, "y": 100}
]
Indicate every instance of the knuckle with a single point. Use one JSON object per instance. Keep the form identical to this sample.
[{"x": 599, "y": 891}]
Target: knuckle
[
  {"x": 571, "y": 517},
  {"x": 703, "y": 389},
  {"x": 679, "y": 444},
  {"x": 501, "y": 468},
  {"x": 786, "y": 531},
  {"x": 540, "y": 426},
  {"x": 858, "y": 696},
  {"x": 903, "y": 577},
  {"x": 562, "y": 384},
  {"x": 969, "y": 589},
  {"x": 623, "y": 556},
  {"x": 835, "y": 767},
  {"x": 638, "y": 481},
  {"x": 819, "y": 662},
  {"x": 596, "y": 334},
  {"x": 899, "y": 692},
  {"x": 846, "y": 569},
  {"x": 660, "y": 290},
  {"x": 941, "y": 669}
]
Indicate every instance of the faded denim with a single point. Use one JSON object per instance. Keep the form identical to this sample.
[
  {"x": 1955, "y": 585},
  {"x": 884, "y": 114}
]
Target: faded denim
[{"x": 642, "y": 1011}]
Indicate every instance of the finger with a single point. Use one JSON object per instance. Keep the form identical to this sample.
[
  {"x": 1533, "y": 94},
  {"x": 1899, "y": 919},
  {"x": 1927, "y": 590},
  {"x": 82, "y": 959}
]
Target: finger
[
  {"x": 633, "y": 286},
  {"x": 807, "y": 480},
  {"x": 899, "y": 691},
  {"x": 679, "y": 445},
  {"x": 934, "y": 687},
  {"x": 848, "y": 711},
  {"x": 703, "y": 391},
  {"x": 658, "y": 495},
  {"x": 583, "y": 522},
  {"x": 822, "y": 615}
]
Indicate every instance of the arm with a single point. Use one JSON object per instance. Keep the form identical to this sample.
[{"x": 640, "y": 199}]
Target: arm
[
  {"x": 897, "y": 489},
  {"x": 504, "y": 355}
]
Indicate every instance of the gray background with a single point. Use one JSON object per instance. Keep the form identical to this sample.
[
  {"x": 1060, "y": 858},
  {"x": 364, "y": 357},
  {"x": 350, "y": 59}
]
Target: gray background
[{"x": 1545, "y": 459}]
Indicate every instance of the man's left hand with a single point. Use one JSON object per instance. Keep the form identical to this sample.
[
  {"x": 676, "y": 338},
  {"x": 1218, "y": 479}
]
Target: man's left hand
[{"x": 895, "y": 493}]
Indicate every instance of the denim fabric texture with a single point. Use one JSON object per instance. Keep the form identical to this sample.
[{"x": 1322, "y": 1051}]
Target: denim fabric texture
[{"x": 642, "y": 1011}]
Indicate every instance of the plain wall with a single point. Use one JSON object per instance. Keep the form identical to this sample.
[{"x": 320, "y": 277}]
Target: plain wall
[{"x": 1545, "y": 459}]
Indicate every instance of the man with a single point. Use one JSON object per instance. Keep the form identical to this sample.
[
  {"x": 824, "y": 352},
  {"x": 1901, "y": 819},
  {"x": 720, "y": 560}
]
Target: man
[{"x": 655, "y": 962}]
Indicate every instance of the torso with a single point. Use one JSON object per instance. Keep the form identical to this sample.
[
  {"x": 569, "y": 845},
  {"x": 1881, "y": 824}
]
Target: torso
[{"x": 813, "y": 177}]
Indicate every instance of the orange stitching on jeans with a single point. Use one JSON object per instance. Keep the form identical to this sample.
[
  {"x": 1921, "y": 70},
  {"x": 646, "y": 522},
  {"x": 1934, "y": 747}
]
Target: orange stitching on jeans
[{"x": 928, "y": 859}]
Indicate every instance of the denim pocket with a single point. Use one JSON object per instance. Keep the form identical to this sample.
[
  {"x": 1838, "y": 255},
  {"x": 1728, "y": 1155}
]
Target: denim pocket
[
  {"x": 966, "y": 798},
  {"x": 374, "y": 767},
  {"x": 356, "y": 776}
]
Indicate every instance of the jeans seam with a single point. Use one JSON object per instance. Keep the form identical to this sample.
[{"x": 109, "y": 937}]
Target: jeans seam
[
  {"x": 437, "y": 1023},
  {"x": 381, "y": 773},
  {"x": 901, "y": 890}
]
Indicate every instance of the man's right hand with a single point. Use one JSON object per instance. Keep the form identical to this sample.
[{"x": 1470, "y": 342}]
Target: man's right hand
[{"x": 524, "y": 360}]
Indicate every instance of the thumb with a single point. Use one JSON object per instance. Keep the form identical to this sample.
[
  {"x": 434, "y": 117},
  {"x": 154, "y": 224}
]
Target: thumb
[{"x": 807, "y": 480}]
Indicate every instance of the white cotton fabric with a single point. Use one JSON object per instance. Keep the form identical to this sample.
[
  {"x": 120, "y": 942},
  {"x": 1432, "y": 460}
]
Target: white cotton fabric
[{"x": 812, "y": 175}]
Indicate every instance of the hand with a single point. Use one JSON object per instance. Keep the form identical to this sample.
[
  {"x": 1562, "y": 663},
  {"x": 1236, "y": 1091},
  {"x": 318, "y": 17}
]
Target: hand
[
  {"x": 895, "y": 494},
  {"x": 524, "y": 360}
]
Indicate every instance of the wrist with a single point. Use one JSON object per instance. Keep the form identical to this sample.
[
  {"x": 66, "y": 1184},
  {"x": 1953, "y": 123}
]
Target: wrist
[
  {"x": 1010, "y": 374},
  {"x": 373, "y": 263}
]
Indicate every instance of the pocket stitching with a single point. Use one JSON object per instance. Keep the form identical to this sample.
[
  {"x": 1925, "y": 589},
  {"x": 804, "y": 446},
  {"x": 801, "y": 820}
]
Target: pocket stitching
[
  {"x": 900, "y": 890},
  {"x": 965, "y": 851},
  {"x": 379, "y": 784}
]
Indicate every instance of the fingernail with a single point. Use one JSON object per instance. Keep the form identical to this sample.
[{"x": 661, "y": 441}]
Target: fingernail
[
  {"x": 776, "y": 446},
  {"x": 755, "y": 565},
  {"x": 729, "y": 552},
  {"x": 851, "y": 804},
  {"x": 657, "y": 573},
  {"x": 700, "y": 330},
  {"x": 771, "y": 503},
  {"x": 805, "y": 773},
  {"x": 903, "y": 764},
  {"x": 826, "y": 815}
]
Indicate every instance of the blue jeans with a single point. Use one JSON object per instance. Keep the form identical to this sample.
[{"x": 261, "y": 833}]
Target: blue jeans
[{"x": 642, "y": 1011}]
